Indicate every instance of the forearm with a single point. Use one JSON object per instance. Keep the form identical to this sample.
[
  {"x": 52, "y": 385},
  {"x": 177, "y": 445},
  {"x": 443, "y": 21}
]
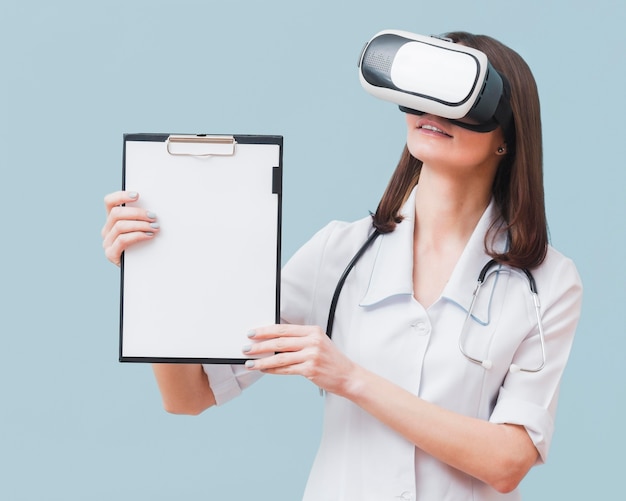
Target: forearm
[
  {"x": 184, "y": 388},
  {"x": 497, "y": 454}
]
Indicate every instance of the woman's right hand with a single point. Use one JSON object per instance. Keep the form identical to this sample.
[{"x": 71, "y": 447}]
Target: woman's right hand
[{"x": 125, "y": 225}]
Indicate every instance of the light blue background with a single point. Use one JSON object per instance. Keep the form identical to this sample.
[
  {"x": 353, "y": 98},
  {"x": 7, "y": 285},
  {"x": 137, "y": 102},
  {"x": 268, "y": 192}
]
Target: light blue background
[{"x": 77, "y": 425}]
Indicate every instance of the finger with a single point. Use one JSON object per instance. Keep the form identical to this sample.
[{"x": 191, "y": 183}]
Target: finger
[
  {"x": 280, "y": 363},
  {"x": 128, "y": 226},
  {"x": 118, "y": 198},
  {"x": 117, "y": 214},
  {"x": 275, "y": 345},
  {"x": 283, "y": 330},
  {"x": 114, "y": 250}
]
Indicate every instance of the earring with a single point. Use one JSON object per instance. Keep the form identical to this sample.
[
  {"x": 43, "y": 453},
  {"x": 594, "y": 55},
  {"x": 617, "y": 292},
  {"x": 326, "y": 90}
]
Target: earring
[{"x": 501, "y": 150}]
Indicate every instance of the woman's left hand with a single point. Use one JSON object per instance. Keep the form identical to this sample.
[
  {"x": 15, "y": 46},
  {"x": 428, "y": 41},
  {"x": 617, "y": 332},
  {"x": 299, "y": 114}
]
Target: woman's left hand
[{"x": 303, "y": 350}]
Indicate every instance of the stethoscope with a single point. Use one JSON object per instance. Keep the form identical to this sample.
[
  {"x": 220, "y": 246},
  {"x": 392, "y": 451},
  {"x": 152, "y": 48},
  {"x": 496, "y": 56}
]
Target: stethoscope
[{"x": 482, "y": 276}]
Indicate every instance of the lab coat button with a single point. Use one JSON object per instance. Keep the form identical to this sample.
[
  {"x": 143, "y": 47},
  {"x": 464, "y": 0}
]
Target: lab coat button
[{"x": 421, "y": 328}]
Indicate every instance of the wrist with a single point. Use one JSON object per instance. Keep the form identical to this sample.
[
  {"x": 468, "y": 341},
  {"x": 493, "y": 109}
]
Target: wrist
[{"x": 355, "y": 383}]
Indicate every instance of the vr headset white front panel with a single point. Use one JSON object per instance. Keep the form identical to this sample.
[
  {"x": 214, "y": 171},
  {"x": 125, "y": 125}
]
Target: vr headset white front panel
[
  {"x": 452, "y": 80},
  {"x": 429, "y": 75}
]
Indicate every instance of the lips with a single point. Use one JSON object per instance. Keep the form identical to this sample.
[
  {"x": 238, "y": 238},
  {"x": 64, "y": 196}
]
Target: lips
[{"x": 432, "y": 126}]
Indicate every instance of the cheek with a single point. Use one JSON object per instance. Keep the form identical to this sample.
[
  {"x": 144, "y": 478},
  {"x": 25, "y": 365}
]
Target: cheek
[
  {"x": 411, "y": 124},
  {"x": 410, "y": 134},
  {"x": 417, "y": 147},
  {"x": 494, "y": 140}
]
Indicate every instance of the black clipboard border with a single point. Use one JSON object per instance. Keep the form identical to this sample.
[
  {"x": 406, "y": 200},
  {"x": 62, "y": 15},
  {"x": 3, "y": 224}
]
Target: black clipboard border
[{"x": 277, "y": 188}]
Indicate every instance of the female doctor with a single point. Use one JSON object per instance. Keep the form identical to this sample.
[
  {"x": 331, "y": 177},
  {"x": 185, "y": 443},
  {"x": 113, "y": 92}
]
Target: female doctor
[{"x": 428, "y": 394}]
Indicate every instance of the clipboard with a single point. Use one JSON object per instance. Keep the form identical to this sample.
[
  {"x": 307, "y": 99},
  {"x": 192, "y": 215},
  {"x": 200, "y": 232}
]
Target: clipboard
[{"x": 191, "y": 294}]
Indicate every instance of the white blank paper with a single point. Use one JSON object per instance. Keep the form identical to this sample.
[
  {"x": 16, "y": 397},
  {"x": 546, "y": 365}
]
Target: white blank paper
[{"x": 212, "y": 272}]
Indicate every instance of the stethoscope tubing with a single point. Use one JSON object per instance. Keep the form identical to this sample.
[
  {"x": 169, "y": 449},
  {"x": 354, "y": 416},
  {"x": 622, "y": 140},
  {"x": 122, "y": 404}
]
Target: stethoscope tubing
[
  {"x": 342, "y": 279},
  {"x": 487, "y": 364},
  {"x": 482, "y": 276}
]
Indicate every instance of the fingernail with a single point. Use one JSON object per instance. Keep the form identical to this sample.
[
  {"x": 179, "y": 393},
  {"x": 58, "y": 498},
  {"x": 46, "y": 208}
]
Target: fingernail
[
  {"x": 132, "y": 194},
  {"x": 155, "y": 225},
  {"x": 149, "y": 234},
  {"x": 251, "y": 333},
  {"x": 151, "y": 215},
  {"x": 250, "y": 364},
  {"x": 246, "y": 348}
]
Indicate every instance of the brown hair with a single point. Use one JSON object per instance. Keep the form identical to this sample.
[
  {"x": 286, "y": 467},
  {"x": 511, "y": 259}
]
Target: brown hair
[{"x": 518, "y": 184}]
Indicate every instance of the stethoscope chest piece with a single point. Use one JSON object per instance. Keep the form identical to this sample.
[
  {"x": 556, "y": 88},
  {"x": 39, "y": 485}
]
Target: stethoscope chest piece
[{"x": 486, "y": 363}]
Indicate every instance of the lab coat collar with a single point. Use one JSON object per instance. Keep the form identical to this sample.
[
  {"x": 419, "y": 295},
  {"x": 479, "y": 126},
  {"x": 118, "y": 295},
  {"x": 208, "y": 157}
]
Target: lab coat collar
[
  {"x": 464, "y": 278},
  {"x": 393, "y": 264}
]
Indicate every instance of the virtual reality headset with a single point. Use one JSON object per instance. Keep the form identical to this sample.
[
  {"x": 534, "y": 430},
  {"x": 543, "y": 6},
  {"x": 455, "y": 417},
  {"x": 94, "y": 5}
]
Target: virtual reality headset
[{"x": 428, "y": 74}]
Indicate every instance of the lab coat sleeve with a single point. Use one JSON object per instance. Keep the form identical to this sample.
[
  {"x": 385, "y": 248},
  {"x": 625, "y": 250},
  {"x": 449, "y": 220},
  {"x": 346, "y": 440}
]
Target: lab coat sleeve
[
  {"x": 304, "y": 292},
  {"x": 228, "y": 381},
  {"x": 530, "y": 399}
]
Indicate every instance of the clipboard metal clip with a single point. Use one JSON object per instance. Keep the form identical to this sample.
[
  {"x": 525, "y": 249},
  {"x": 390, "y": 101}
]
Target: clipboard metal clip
[{"x": 200, "y": 145}]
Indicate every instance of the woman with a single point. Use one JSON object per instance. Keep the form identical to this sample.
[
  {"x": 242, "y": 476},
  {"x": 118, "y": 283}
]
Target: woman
[{"x": 408, "y": 415}]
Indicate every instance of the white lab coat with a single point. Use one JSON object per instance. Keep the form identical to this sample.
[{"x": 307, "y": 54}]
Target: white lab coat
[{"x": 381, "y": 326}]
